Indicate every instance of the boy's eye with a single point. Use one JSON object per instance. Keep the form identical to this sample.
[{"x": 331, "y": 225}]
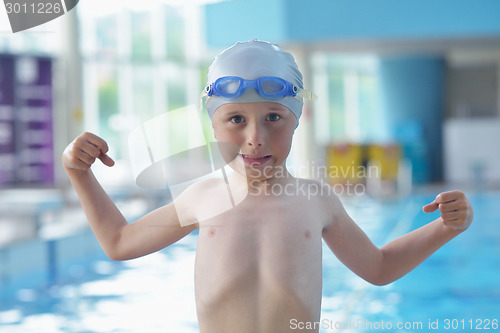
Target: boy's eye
[
  {"x": 273, "y": 117},
  {"x": 237, "y": 119}
]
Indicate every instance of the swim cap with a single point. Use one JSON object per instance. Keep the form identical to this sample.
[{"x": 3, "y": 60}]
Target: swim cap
[{"x": 251, "y": 60}]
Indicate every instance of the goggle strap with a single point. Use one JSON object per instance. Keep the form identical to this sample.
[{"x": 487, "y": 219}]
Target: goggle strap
[
  {"x": 303, "y": 93},
  {"x": 200, "y": 101}
]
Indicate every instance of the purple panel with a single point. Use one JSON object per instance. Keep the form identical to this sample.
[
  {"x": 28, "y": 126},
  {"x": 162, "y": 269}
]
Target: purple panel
[
  {"x": 7, "y": 125},
  {"x": 34, "y": 132}
]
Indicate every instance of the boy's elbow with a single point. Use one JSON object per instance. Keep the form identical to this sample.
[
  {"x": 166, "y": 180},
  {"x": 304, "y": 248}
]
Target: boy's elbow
[
  {"x": 385, "y": 276},
  {"x": 376, "y": 279},
  {"x": 116, "y": 257},
  {"x": 114, "y": 249},
  {"x": 380, "y": 281},
  {"x": 385, "y": 272},
  {"x": 382, "y": 275},
  {"x": 113, "y": 253}
]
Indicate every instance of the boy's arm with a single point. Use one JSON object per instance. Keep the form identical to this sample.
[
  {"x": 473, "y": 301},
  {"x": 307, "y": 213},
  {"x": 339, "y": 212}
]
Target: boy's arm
[
  {"x": 395, "y": 259},
  {"x": 119, "y": 240}
]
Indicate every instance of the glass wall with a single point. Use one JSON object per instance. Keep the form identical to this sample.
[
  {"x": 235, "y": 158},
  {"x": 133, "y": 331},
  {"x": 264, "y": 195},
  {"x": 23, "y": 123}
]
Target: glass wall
[
  {"x": 349, "y": 108},
  {"x": 138, "y": 62}
]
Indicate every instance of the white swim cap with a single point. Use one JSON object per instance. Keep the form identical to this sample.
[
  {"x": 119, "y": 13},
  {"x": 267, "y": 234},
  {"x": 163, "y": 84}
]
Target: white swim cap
[{"x": 251, "y": 60}]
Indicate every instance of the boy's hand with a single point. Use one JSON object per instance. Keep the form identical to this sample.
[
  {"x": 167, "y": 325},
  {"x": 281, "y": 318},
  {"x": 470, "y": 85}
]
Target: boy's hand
[
  {"x": 82, "y": 152},
  {"x": 455, "y": 208}
]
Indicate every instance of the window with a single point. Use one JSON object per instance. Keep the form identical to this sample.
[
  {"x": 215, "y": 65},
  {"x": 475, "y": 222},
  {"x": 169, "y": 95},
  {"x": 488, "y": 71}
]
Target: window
[
  {"x": 349, "y": 104},
  {"x": 139, "y": 62}
]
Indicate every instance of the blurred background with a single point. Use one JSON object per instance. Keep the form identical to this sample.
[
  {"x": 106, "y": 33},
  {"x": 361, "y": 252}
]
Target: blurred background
[{"x": 408, "y": 88}]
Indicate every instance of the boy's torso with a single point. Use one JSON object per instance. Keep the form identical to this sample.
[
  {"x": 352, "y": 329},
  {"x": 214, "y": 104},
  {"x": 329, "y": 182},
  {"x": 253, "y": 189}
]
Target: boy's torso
[{"x": 258, "y": 266}]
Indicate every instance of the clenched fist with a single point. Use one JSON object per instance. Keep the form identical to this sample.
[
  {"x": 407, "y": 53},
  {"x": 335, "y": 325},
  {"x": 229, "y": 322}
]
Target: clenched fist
[
  {"x": 83, "y": 151},
  {"x": 455, "y": 208}
]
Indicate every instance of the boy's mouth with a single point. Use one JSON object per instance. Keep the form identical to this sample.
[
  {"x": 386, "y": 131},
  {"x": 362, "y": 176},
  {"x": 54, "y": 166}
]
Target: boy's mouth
[{"x": 255, "y": 159}]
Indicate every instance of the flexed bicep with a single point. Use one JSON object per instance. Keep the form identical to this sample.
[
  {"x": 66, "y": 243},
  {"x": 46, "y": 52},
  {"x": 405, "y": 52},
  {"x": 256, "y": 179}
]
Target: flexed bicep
[
  {"x": 351, "y": 245},
  {"x": 154, "y": 231}
]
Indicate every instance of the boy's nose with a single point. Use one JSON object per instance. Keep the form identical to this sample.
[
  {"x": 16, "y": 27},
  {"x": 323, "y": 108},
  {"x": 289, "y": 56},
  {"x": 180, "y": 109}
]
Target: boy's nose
[{"x": 255, "y": 135}]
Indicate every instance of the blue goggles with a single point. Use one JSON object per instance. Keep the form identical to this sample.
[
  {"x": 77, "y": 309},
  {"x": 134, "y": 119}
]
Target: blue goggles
[{"x": 268, "y": 87}]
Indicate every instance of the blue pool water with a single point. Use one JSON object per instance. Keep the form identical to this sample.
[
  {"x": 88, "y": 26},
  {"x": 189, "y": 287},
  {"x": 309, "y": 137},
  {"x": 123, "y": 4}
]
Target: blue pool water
[
  {"x": 68, "y": 285},
  {"x": 455, "y": 288}
]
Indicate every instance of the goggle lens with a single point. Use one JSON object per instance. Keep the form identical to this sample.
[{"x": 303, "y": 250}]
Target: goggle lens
[
  {"x": 229, "y": 87},
  {"x": 272, "y": 87}
]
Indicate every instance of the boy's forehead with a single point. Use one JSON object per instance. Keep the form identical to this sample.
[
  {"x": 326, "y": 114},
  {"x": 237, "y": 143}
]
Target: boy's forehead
[{"x": 254, "y": 106}]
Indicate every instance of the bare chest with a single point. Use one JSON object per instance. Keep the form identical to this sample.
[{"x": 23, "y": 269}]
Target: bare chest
[
  {"x": 276, "y": 246},
  {"x": 261, "y": 259},
  {"x": 266, "y": 232}
]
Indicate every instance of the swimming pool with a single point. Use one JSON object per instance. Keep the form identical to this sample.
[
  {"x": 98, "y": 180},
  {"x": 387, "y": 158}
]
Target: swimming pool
[
  {"x": 71, "y": 286},
  {"x": 455, "y": 288}
]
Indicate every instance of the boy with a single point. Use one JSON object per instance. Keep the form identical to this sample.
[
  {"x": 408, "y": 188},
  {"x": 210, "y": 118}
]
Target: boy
[{"x": 258, "y": 265}]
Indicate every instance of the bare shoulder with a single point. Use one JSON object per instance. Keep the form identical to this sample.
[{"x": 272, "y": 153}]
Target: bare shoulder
[
  {"x": 318, "y": 188},
  {"x": 326, "y": 198},
  {"x": 204, "y": 186},
  {"x": 322, "y": 193},
  {"x": 203, "y": 200},
  {"x": 199, "y": 190}
]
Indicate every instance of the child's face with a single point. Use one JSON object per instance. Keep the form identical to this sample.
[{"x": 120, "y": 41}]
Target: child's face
[{"x": 263, "y": 132}]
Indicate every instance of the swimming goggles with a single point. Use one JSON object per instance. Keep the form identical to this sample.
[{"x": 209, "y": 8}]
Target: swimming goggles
[{"x": 268, "y": 87}]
